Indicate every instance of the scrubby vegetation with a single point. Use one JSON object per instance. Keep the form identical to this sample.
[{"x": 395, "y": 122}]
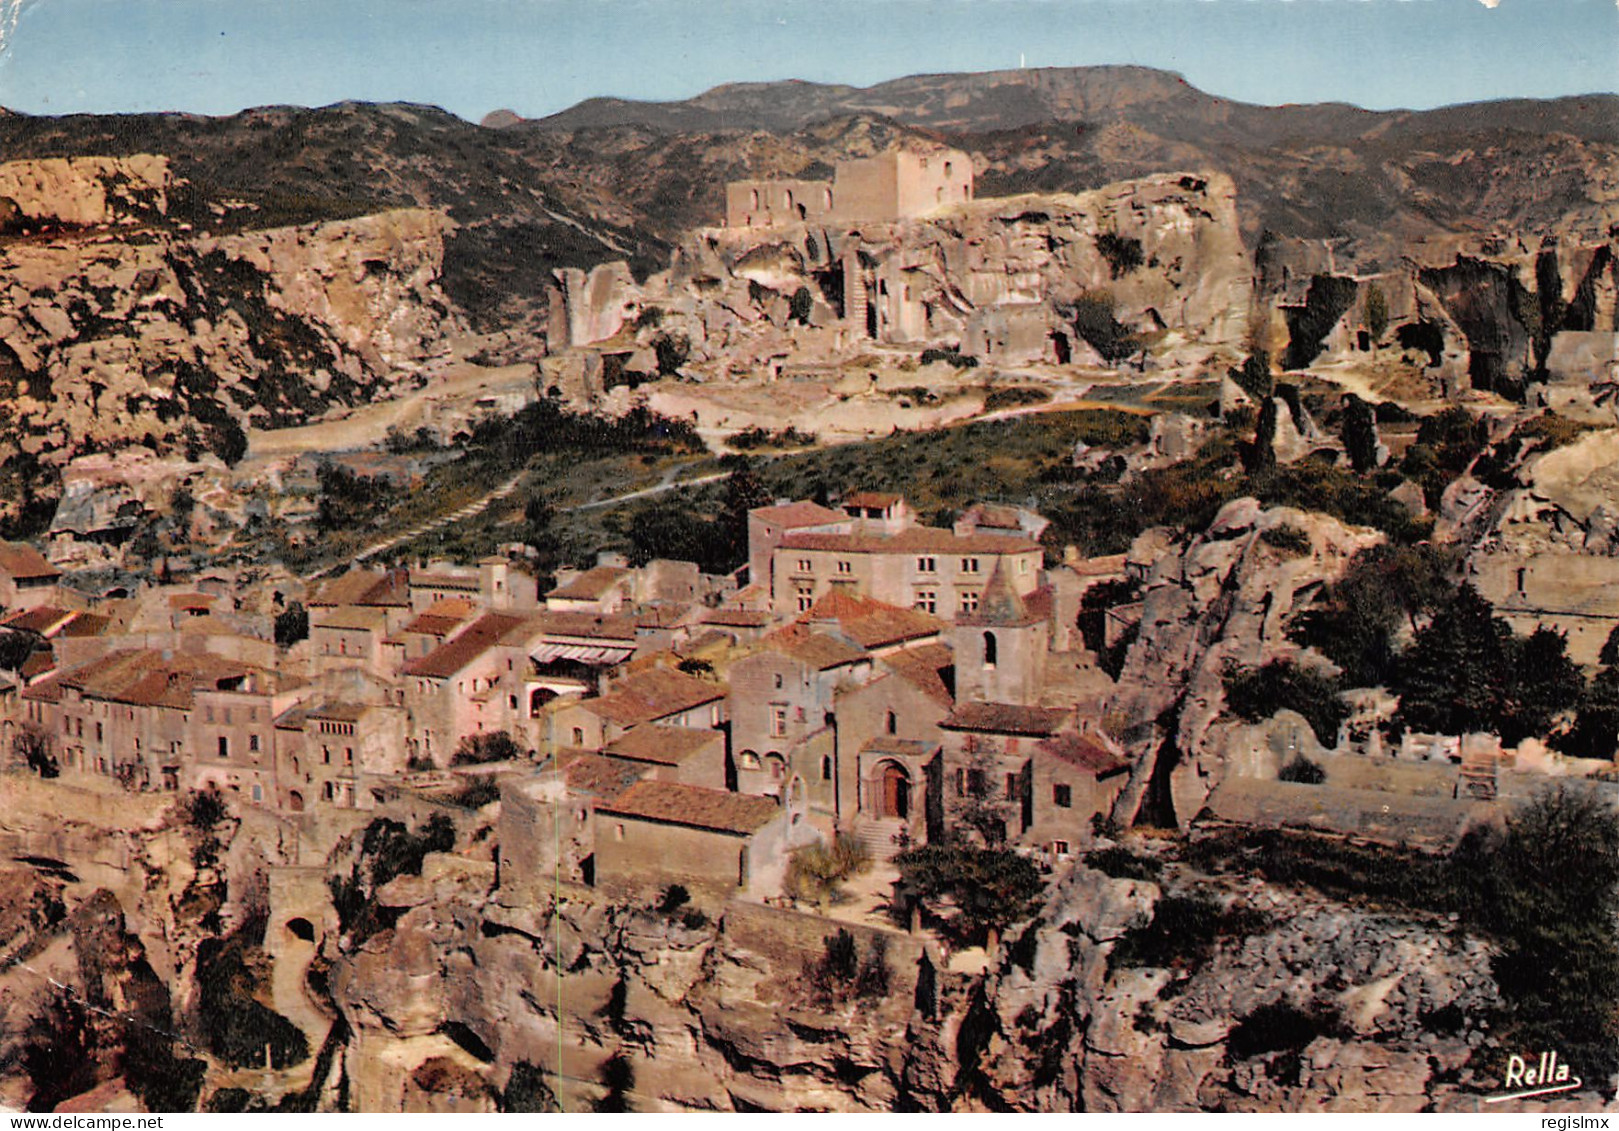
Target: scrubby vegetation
[
  {"x": 1184, "y": 931},
  {"x": 815, "y": 873},
  {"x": 840, "y": 975},
  {"x": 387, "y": 849},
  {"x": 1558, "y": 959}
]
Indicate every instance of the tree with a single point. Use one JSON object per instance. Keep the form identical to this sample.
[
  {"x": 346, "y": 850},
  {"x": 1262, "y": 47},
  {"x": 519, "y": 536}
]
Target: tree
[
  {"x": 744, "y": 491},
  {"x": 1254, "y": 377},
  {"x": 1609, "y": 655},
  {"x": 292, "y": 625},
  {"x": 489, "y": 746},
  {"x": 1357, "y": 621},
  {"x": 1259, "y": 456},
  {"x": 802, "y": 304},
  {"x": 1455, "y": 675},
  {"x": 988, "y": 888},
  {"x": 32, "y": 746},
  {"x": 1375, "y": 312},
  {"x": 1542, "y": 683},
  {"x": 1359, "y": 434},
  {"x": 1548, "y": 891},
  {"x": 1595, "y": 733},
  {"x": 1257, "y": 694},
  {"x": 982, "y": 807}
]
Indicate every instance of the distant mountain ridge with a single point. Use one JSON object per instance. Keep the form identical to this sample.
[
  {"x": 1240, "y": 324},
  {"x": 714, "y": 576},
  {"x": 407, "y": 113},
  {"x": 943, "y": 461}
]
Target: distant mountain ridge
[{"x": 612, "y": 179}]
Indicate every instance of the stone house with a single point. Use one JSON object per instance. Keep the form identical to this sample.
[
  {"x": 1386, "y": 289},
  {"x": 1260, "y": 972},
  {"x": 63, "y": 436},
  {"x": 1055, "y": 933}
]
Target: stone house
[
  {"x": 470, "y": 684},
  {"x": 689, "y": 755},
  {"x": 937, "y": 571},
  {"x": 547, "y": 832},
  {"x": 655, "y": 695},
  {"x": 782, "y": 697},
  {"x": 768, "y": 525},
  {"x": 987, "y": 753},
  {"x": 1073, "y": 778},
  {"x": 157, "y": 721},
  {"x": 26, "y": 578},
  {"x": 327, "y": 753},
  {"x": 711, "y": 841}
]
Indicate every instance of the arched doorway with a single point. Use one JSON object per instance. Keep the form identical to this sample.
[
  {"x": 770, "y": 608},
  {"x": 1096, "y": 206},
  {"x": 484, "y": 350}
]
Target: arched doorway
[
  {"x": 894, "y": 791},
  {"x": 295, "y": 802}
]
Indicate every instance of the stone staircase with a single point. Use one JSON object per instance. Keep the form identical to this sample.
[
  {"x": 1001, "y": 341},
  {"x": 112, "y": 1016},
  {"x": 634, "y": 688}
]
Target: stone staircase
[{"x": 877, "y": 836}]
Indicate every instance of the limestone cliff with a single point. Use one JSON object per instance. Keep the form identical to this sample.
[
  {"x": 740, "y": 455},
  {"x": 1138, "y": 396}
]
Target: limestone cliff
[
  {"x": 150, "y": 334},
  {"x": 1001, "y": 279}
]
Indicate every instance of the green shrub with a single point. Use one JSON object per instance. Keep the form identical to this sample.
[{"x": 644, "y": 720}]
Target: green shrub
[
  {"x": 1302, "y": 771},
  {"x": 1184, "y": 931},
  {"x": 1288, "y": 539},
  {"x": 1122, "y": 864},
  {"x": 1257, "y": 694}
]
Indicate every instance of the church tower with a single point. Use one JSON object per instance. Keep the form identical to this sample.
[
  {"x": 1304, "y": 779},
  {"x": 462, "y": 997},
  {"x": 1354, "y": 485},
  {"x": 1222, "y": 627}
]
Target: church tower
[{"x": 1000, "y": 648}]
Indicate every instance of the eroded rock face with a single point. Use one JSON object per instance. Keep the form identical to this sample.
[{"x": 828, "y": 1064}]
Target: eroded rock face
[
  {"x": 1224, "y": 596},
  {"x": 181, "y": 343},
  {"x": 1380, "y": 1013},
  {"x": 84, "y": 191},
  {"x": 996, "y": 278}
]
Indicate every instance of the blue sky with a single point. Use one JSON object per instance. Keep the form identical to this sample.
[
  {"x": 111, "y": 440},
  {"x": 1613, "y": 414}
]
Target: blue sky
[{"x": 538, "y": 56}]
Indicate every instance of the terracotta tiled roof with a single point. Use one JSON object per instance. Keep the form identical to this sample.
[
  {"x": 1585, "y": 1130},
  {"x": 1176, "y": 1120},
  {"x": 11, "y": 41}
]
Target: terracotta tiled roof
[
  {"x": 144, "y": 678},
  {"x": 430, "y": 625},
  {"x": 801, "y": 513},
  {"x": 651, "y": 695},
  {"x": 459, "y": 582},
  {"x": 592, "y": 585},
  {"x": 38, "y": 663},
  {"x": 871, "y": 623},
  {"x": 994, "y": 517},
  {"x": 458, "y": 608},
  {"x": 1086, "y": 753},
  {"x": 23, "y": 562},
  {"x": 353, "y": 619},
  {"x": 738, "y": 618},
  {"x": 818, "y": 650},
  {"x": 38, "y": 620},
  {"x": 924, "y": 667},
  {"x": 1006, "y": 718},
  {"x": 917, "y": 539},
  {"x": 695, "y": 807},
  {"x": 661, "y": 616},
  {"x": 587, "y": 626},
  {"x": 663, "y": 745},
  {"x": 362, "y": 587},
  {"x": 47, "y": 690},
  {"x": 599, "y": 777},
  {"x": 86, "y": 624},
  {"x": 191, "y": 600},
  {"x": 459, "y": 651}
]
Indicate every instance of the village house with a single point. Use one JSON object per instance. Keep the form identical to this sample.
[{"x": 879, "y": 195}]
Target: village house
[
  {"x": 471, "y": 684},
  {"x": 782, "y": 722},
  {"x": 709, "y": 840},
  {"x": 655, "y": 695},
  {"x": 690, "y": 755},
  {"x": 156, "y": 721},
  {"x": 331, "y": 751},
  {"x": 887, "y": 555},
  {"x": 26, "y": 578}
]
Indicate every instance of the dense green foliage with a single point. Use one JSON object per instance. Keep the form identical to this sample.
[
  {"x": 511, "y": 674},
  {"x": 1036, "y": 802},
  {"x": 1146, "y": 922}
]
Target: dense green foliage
[
  {"x": 840, "y": 975},
  {"x": 292, "y": 625},
  {"x": 387, "y": 849},
  {"x": 1357, "y": 622},
  {"x": 1467, "y": 671},
  {"x": 988, "y": 889},
  {"x": 486, "y": 746},
  {"x": 1256, "y": 694},
  {"x": 1359, "y": 434}
]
